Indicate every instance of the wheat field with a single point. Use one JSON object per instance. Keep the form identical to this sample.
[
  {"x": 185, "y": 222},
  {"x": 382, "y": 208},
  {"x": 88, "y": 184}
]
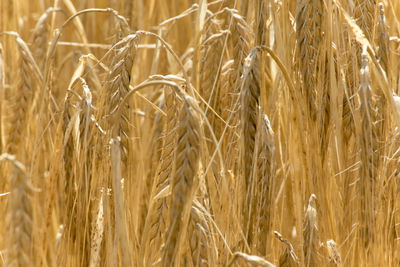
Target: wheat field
[{"x": 199, "y": 133}]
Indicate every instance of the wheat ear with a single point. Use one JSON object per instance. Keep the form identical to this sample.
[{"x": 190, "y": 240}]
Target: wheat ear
[
  {"x": 117, "y": 87},
  {"x": 334, "y": 256},
  {"x": 156, "y": 219},
  {"x": 40, "y": 38},
  {"x": 311, "y": 235},
  {"x": 249, "y": 101},
  {"x": 309, "y": 37},
  {"x": 288, "y": 257},
  {"x": 265, "y": 181},
  {"x": 364, "y": 12},
  {"x": 197, "y": 238},
  {"x": 97, "y": 234},
  {"x": 383, "y": 39},
  {"x": 182, "y": 183},
  {"x": 20, "y": 218},
  {"x": 367, "y": 154},
  {"x": 30, "y": 76}
]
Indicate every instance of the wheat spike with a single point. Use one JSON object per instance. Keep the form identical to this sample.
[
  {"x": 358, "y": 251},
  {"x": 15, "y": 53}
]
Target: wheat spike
[
  {"x": 154, "y": 146},
  {"x": 260, "y": 22},
  {"x": 182, "y": 183},
  {"x": 156, "y": 219},
  {"x": 364, "y": 13},
  {"x": 20, "y": 219},
  {"x": 197, "y": 237},
  {"x": 265, "y": 181},
  {"x": 97, "y": 234},
  {"x": 240, "y": 38},
  {"x": 379, "y": 103},
  {"x": 367, "y": 153},
  {"x": 251, "y": 259},
  {"x": 40, "y": 38},
  {"x": 241, "y": 35},
  {"x": 383, "y": 39},
  {"x": 249, "y": 101},
  {"x": 22, "y": 97},
  {"x": 118, "y": 82},
  {"x": 333, "y": 252},
  {"x": 288, "y": 257},
  {"x": 311, "y": 235},
  {"x": 212, "y": 51},
  {"x": 309, "y": 38}
]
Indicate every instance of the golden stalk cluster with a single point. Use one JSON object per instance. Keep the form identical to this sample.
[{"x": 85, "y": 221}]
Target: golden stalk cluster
[{"x": 199, "y": 133}]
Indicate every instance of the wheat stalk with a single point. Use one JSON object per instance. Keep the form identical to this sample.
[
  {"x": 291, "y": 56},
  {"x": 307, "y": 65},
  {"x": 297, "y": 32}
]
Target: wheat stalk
[
  {"x": 121, "y": 230},
  {"x": 39, "y": 38}
]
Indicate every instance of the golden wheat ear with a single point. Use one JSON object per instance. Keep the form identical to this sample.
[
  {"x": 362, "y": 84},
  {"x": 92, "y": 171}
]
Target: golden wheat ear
[
  {"x": 97, "y": 234},
  {"x": 311, "y": 234},
  {"x": 309, "y": 38},
  {"x": 116, "y": 88},
  {"x": 20, "y": 216},
  {"x": 383, "y": 39},
  {"x": 21, "y": 99},
  {"x": 333, "y": 253},
  {"x": 367, "y": 144},
  {"x": 182, "y": 183},
  {"x": 156, "y": 219},
  {"x": 249, "y": 101},
  {"x": 288, "y": 257}
]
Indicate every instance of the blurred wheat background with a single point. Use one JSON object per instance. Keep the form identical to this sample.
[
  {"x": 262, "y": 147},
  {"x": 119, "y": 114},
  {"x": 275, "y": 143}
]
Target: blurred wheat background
[{"x": 199, "y": 133}]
